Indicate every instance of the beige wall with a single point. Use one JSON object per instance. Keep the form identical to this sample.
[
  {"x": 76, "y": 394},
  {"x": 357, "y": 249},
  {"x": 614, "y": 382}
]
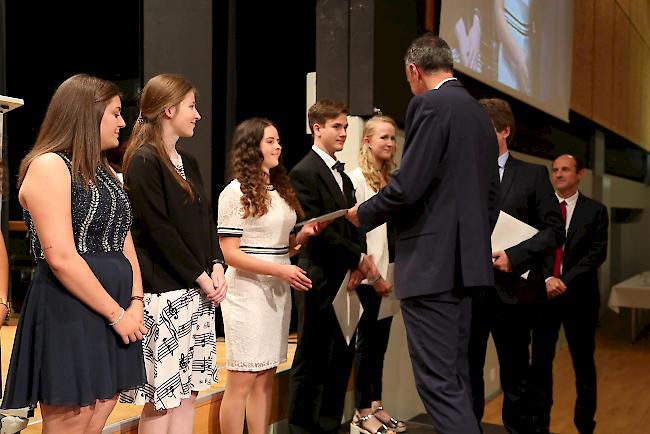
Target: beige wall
[{"x": 611, "y": 65}]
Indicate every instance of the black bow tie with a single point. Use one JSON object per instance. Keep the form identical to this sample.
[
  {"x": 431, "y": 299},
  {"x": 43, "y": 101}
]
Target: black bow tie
[{"x": 339, "y": 166}]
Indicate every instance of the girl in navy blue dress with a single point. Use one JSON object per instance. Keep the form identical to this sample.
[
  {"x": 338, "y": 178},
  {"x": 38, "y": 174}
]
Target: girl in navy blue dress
[{"x": 76, "y": 343}]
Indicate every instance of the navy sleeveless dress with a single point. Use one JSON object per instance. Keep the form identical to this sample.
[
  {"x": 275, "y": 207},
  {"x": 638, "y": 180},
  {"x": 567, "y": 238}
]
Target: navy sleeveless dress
[{"x": 65, "y": 353}]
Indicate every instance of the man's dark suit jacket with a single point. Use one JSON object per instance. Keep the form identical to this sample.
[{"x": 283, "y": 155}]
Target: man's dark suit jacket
[
  {"x": 443, "y": 199},
  {"x": 323, "y": 359},
  {"x": 527, "y": 195},
  {"x": 327, "y": 257},
  {"x": 585, "y": 250}
]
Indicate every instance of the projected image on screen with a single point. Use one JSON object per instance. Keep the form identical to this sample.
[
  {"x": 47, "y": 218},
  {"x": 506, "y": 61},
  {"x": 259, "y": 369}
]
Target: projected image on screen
[{"x": 522, "y": 47}]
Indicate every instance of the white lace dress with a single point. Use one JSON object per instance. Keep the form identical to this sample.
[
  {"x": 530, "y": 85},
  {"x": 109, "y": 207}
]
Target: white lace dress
[{"x": 257, "y": 308}]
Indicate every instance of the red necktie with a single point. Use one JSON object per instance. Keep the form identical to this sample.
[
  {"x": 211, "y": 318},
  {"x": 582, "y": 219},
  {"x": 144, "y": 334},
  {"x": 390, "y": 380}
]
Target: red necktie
[{"x": 557, "y": 265}]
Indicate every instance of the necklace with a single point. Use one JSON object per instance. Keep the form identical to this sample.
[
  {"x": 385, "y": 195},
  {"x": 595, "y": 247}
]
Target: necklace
[{"x": 176, "y": 160}]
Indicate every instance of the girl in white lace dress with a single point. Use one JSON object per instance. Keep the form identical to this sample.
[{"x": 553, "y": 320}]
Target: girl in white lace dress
[{"x": 257, "y": 213}]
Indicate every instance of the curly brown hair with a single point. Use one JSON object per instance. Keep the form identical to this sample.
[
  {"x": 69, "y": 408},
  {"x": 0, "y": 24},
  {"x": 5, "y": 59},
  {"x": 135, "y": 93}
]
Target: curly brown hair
[{"x": 246, "y": 167}]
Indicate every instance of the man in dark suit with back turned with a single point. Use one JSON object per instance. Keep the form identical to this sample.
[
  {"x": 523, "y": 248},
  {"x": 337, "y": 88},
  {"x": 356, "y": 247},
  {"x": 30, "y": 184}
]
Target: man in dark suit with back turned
[
  {"x": 506, "y": 310},
  {"x": 443, "y": 204},
  {"x": 574, "y": 298},
  {"x": 323, "y": 360}
]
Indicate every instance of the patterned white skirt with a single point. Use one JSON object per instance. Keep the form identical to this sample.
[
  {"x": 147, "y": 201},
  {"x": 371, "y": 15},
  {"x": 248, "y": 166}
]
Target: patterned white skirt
[{"x": 179, "y": 349}]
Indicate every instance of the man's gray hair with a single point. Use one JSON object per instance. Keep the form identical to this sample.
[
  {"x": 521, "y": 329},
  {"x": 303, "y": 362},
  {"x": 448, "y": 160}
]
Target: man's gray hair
[{"x": 430, "y": 53}]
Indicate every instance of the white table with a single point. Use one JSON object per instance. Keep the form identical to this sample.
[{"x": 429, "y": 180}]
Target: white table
[{"x": 633, "y": 293}]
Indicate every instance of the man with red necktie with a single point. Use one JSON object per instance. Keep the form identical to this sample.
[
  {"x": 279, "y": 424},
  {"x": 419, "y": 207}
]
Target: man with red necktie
[{"x": 574, "y": 298}]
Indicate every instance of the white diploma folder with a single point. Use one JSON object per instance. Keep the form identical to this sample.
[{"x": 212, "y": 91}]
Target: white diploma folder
[
  {"x": 324, "y": 217},
  {"x": 348, "y": 309},
  {"x": 509, "y": 232},
  {"x": 389, "y": 304}
]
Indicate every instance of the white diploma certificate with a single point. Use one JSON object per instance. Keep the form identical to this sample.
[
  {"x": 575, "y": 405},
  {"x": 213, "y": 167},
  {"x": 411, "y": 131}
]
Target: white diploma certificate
[
  {"x": 347, "y": 308},
  {"x": 389, "y": 304},
  {"x": 324, "y": 217},
  {"x": 509, "y": 232}
]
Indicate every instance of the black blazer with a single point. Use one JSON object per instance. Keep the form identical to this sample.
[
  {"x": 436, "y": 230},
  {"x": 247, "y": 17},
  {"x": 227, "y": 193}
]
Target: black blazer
[
  {"x": 175, "y": 239},
  {"x": 585, "y": 250},
  {"x": 527, "y": 195},
  {"x": 327, "y": 257},
  {"x": 443, "y": 199}
]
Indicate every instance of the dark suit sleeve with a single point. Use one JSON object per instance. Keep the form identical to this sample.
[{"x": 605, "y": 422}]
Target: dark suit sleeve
[
  {"x": 144, "y": 185},
  {"x": 311, "y": 204},
  {"x": 549, "y": 222},
  {"x": 493, "y": 196},
  {"x": 423, "y": 148},
  {"x": 597, "y": 252}
]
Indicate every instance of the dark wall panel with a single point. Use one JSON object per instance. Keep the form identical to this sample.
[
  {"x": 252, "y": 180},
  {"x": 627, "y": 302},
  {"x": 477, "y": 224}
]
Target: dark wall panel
[
  {"x": 178, "y": 39},
  {"x": 47, "y": 42}
]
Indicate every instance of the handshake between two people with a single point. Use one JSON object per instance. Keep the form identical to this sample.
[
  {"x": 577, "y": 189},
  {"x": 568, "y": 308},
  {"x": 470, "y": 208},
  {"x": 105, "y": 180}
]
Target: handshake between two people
[{"x": 367, "y": 268}]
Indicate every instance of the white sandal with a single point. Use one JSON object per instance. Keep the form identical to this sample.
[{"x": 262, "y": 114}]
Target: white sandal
[
  {"x": 356, "y": 426},
  {"x": 392, "y": 423}
]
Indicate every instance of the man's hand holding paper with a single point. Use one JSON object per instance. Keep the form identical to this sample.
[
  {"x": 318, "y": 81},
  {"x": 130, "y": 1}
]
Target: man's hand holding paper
[
  {"x": 507, "y": 233},
  {"x": 501, "y": 262}
]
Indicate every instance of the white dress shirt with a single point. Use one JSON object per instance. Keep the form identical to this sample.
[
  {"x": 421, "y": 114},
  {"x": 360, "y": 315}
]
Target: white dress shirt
[
  {"x": 329, "y": 161},
  {"x": 502, "y": 160},
  {"x": 444, "y": 81},
  {"x": 570, "y": 207}
]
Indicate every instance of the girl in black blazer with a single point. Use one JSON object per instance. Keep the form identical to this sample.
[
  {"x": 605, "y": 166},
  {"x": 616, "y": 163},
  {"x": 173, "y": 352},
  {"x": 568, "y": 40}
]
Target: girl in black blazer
[{"x": 182, "y": 265}]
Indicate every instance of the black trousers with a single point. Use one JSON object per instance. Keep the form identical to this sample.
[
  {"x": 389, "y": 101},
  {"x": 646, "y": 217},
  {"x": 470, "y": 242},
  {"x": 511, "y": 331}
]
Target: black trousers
[
  {"x": 321, "y": 366},
  {"x": 510, "y": 325},
  {"x": 437, "y": 330},
  {"x": 372, "y": 341},
  {"x": 579, "y": 318}
]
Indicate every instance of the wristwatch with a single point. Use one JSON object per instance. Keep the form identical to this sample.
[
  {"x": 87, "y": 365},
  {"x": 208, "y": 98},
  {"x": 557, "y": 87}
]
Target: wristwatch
[
  {"x": 372, "y": 280},
  {"x": 221, "y": 262}
]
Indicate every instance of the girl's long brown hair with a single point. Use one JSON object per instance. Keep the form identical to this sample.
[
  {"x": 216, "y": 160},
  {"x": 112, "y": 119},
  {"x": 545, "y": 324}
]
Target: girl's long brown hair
[
  {"x": 367, "y": 160},
  {"x": 246, "y": 167},
  {"x": 72, "y": 125},
  {"x": 160, "y": 93}
]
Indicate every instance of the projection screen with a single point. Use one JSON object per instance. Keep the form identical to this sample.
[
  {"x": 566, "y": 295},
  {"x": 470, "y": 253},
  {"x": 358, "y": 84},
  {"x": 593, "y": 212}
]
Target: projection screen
[{"x": 521, "y": 47}]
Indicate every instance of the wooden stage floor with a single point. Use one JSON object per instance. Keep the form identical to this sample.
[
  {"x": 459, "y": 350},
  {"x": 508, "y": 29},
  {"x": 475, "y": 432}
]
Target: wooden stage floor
[
  {"x": 124, "y": 411},
  {"x": 623, "y": 383}
]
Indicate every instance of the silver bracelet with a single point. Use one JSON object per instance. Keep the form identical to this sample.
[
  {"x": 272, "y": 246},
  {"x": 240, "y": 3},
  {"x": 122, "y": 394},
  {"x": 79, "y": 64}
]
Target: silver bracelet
[{"x": 119, "y": 318}]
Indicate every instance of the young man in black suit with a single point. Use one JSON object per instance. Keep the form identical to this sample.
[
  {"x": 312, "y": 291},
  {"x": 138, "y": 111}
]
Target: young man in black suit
[
  {"x": 574, "y": 297},
  {"x": 443, "y": 203},
  {"x": 323, "y": 360},
  {"x": 507, "y": 310}
]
